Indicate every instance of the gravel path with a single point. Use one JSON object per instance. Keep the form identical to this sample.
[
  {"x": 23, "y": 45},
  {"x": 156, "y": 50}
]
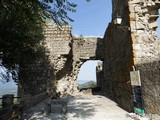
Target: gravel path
[{"x": 80, "y": 107}]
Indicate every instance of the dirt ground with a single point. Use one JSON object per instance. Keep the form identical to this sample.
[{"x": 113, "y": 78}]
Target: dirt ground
[{"x": 79, "y": 107}]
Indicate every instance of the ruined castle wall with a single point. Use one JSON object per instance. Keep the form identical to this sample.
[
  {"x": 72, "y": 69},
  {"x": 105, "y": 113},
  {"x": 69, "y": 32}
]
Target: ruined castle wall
[
  {"x": 87, "y": 48},
  {"x": 59, "y": 46},
  {"x": 143, "y": 16},
  {"x": 137, "y": 46},
  {"x": 57, "y": 67},
  {"x": 118, "y": 57},
  {"x": 50, "y": 70},
  {"x": 67, "y": 53}
]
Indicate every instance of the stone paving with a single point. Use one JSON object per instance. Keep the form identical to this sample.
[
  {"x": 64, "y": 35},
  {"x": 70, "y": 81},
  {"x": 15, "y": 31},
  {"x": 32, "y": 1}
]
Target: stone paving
[{"x": 80, "y": 107}]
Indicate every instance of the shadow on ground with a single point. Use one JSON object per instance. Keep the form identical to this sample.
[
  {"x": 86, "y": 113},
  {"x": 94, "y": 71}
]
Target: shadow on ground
[
  {"x": 38, "y": 112},
  {"x": 80, "y": 107}
]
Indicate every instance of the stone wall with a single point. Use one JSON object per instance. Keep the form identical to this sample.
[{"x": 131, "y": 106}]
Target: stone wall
[
  {"x": 67, "y": 53},
  {"x": 143, "y": 16},
  {"x": 59, "y": 46},
  {"x": 57, "y": 67},
  {"x": 35, "y": 75},
  {"x": 118, "y": 57},
  {"x": 87, "y": 48},
  {"x": 99, "y": 74},
  {"x": 28, "y": 100},
  {"x": 137, "y": 46},
  {"x": 132, "y": 43}
]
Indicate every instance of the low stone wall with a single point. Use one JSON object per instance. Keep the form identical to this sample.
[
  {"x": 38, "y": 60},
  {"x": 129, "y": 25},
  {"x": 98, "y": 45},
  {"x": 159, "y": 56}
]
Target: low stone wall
[{"x": 29, "y": 101}]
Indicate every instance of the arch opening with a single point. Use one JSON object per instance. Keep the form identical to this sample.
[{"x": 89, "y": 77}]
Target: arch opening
[{"x": 87, "y": 76}]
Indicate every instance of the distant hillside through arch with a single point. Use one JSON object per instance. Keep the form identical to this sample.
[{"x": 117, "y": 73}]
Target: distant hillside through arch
[{"x": 87, "y": 72}]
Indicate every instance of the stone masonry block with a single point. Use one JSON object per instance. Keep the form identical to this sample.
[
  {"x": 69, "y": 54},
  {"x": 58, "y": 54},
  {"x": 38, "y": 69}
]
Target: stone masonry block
[
  {"x": 153, "y": 25},
  {"x": 137, "y": 47},
  {"x": 135, "y": 1}
]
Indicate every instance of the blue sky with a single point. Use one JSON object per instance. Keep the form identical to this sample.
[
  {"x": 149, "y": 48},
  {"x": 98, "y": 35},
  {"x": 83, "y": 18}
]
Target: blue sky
[
  {"x": 90, "y": 19},
  {"x": 87, "y": 71}
]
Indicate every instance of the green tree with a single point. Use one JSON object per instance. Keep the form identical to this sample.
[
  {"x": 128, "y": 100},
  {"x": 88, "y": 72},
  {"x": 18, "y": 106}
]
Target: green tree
[{"x": 21, "y": 27}]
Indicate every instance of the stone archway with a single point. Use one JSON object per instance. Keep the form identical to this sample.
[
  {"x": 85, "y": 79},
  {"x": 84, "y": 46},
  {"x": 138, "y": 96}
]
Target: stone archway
[
  {"x": 81, "y": 50},
  {"x": 64, "y": 55},
  {"x": 123, "y": 48},
  {"x": 56, "y": 70},
  {"x": 88, "y": 71}
]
